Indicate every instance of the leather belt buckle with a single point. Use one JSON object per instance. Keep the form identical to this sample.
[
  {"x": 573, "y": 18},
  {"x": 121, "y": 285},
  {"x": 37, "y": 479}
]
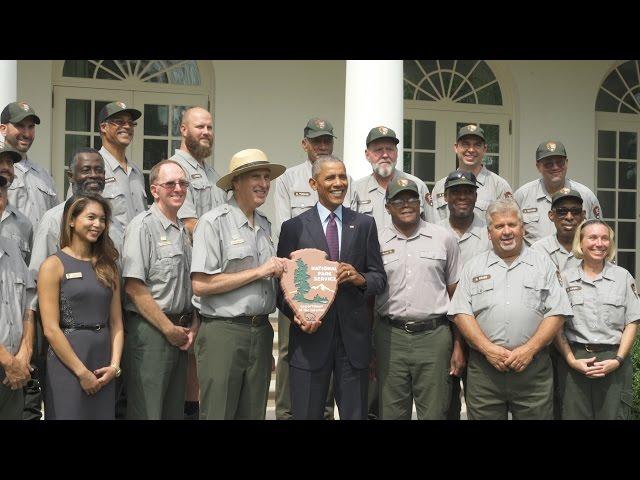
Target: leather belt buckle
[
  {"x": 407, "y": 327},
  {"x": 183, "y": 320},
  {"x": 98, "y": 328},
  {"x": 588, "y": 348},
  {"x": 255, "y": 320}
]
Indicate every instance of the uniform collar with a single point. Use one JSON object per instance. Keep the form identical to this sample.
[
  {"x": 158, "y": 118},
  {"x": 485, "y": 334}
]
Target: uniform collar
[
  {"x": 25, "y": 165},
  {"x": 607, "y": 272},
  {"x": 482, "y": 176},
  {"x": 188, "y": 158},
  {"x": 240, "y": 218},
  {"x": 541, "y": 191},
  {"x": 390, "y": 232},
  {"x": 113, "y": 163},
  {"x": 8, "y": 210},
  {"x": 166, "y": 223},
  {"x": 478, "y": 227},
  {"x": 524, "y": 257}
]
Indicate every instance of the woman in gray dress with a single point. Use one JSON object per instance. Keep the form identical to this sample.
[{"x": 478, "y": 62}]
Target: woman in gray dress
[{"x": 79, "y": 300}]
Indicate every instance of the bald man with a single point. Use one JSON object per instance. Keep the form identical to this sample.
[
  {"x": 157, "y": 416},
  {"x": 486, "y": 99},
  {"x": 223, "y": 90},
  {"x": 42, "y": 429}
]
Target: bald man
[{"x": 196, "y": 129}]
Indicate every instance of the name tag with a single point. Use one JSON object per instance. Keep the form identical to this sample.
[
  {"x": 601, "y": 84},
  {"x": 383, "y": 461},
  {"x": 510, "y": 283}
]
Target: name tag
[
  {"x": 73, "y": 275},
  {"x": 387, "y": 252},
  {"x": 196, "y": 175},
  {"x": 363, "y": 202},
  {"x": 479, "y": 278},
  {"x": 163, "y": 241},
  {"x": 110, "y": 179},
  {"x": 530, "y": 210},
  {"x": 440, "y": 195},
  {"x": 237, "y": 241},
  {"x": 301, "y": 194},
  {"x": 573, "y": 289}
]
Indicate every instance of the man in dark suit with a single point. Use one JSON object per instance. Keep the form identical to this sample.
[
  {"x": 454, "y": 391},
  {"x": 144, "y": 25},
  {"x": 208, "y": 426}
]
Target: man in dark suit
[{"x": 341, "y": 342}]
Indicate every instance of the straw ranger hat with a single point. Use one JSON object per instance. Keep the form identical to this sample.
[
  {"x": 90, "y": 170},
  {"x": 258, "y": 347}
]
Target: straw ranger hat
[{"x": 245, "y": 161}]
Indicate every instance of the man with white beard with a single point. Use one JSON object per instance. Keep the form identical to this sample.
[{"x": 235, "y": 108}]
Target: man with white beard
[{"x": 382, "y": 153}]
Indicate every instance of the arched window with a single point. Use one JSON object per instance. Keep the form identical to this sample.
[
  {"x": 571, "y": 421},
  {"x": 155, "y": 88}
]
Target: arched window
[
  {"x": 175, "y": 72},
  {"x": 618, "y": 126},
  {"x": 440, "y": 97}
]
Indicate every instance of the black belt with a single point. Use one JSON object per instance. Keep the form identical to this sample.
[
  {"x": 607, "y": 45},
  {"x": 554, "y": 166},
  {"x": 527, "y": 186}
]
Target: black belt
[
  {"x": 250, "y": 320},
  {"x": 419, "y": 326},
  {"x": 181, "y": 319},
  {"x": 73, "y": 326},
  {"x": 595, "y": 347}
]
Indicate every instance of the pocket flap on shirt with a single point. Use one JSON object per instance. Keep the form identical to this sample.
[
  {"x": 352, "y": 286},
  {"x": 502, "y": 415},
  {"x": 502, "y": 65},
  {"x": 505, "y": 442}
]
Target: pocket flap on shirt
[
  {"x": 482, "y": 286},
  {"x": 434, "y": 255},
  {"x": 615, "y": 300},
  {"x": 45, "y": 189}
]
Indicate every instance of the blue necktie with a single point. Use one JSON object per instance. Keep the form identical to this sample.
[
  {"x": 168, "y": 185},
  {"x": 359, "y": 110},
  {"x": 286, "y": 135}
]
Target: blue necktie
[{"x": 332, "y": 238}]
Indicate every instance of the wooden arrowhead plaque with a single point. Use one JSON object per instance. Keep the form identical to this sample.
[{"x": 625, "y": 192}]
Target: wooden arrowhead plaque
[{"x": 309, "y": 284}]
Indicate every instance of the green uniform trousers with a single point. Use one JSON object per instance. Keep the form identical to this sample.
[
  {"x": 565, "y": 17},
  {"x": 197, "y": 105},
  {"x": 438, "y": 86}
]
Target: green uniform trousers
[
  {"x": 283, "y": 390},
  {"x": 156, "y": 373},
  {"x": 234, "y": 369},
  {"x": 11, "y": 402},
  {"x": 413, "y": 367},
  {"x": 606, "y": 398},
  {"x": 491, "y": 394}
]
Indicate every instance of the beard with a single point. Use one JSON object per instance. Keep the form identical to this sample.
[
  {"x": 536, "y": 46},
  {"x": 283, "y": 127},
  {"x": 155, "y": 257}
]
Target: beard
[
  {"x": 81, "y": 187},
  {"x": 384, "y": 170},
  {"x": 197, "y": 150}
]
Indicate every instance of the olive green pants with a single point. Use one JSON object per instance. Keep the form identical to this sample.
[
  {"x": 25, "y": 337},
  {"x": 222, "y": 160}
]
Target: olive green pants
[
  {"x": 283, "y": 390},
  {"x": 11, "y": 401},
  {"x": 234, "y": 369},
  {"x": 491, "y": 394},
  {"x": 413, "y": 367},
  {"x": 606, "y": 398},
  {"x": 156, "y": 373}
]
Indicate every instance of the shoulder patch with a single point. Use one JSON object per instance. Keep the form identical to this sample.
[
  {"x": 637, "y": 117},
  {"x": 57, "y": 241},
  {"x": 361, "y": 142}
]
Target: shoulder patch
[
  {"x": 479, "y": 278},
  {"x": 596, "y": 211},
  {"x": 428, "y": 198}
]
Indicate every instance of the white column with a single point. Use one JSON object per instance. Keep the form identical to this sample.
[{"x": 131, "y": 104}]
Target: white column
[
  {"x": 373, "y": 97},
  {"x": 8, "y": 82}
]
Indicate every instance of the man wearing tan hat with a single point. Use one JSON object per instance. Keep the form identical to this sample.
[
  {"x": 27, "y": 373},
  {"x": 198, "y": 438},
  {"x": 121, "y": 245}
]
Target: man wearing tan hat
[
  {"x": 470, "y": 148},
  {"x": 233, "y": 271},
  {"x": 32, "y": 191},
  {"x": 294, "y": 195},
  {"x": 534, "y": 198}
]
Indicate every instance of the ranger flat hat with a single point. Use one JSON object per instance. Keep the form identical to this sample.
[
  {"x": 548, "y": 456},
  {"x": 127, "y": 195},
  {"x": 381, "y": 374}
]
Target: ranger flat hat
[
  {"x": 565, "y": 192},
  {"x": 401, "y": 185},
  {"x": 5, "y": 148},
  {"x": 113, "y": 108},
  {"x": 317, "y": 127},
  {"x": 377, "y": 133},
  {"x": 18, "y": 111},
  {"x": 550, "y": 148},
  {"x": 470, "y": 130},
  {"x": 245, "y": 161},
  {"x": 460, "y": 178}
]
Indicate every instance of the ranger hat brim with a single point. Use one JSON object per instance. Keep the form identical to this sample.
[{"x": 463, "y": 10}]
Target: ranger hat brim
[{"x": 245, "y": 161}]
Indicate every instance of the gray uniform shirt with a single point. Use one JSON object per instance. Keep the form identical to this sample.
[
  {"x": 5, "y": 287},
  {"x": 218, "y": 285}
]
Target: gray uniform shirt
[
  {"x": 562, "y": 259},
  {"x": 32, "y": 191},
  {"x": 224, "y": 242},
  {"x": 158, "y": 252},
  {"x": 16, "y": 227},
  {"x": 203, "y": 194},
  {"x": 294, "y": 195},
  {"x": 371, "y": 199},
  {"x": 535, "y": 203},
  {"x": 491, "y": 187},
  {"x": 16, "y": 293},
  {"x": 474, "y": 241},
  {"x": 510, "y": 301},
  {"x": 427, "y": 261},
  {"x": 602, "y": 307}
]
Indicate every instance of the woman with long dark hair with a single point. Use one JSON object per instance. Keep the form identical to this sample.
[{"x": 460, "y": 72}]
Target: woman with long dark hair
[
  {"x": 596, "y": 341},
  {"x": 79, "y": 300}
]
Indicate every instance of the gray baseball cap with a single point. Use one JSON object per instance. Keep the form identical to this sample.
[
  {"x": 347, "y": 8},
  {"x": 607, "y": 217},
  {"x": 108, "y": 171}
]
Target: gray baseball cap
[
  {"x": 470, "y": 130},
  {"x": 401, "y": 185},
  {"x": 18, "y": 111},
  {"x": 550, "y": 148},
  {"x": 113, "y": 108},
  {"x": 460, "y": 178},
  {"x": 317, "y": 127}
]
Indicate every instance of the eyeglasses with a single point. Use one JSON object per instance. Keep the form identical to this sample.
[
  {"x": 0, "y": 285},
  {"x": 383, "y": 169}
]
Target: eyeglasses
[
  {"x": 123, "y": 123},
  {"x": 562, "y": 211},
  {"x": 172, "y": 185},
  {"x": 397, "y": 203},
  {"x": 550, "y": 163}
]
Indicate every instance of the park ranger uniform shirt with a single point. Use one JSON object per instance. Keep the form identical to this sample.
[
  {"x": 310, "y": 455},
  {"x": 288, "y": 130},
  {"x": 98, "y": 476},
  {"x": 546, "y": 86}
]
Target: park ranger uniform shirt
[
  {"x": 203, "y": 194},
  {"x": 510, "y": 301},
  {"x": 224, "y": 242},
  {"x": 158, "y": 252},
  {"x": 32, "y": 191},
  {"x": 17, "y": 228},
  {"x": 427, "y": 261},
  {"x": 17, "y": 289},
  {"x": 603, "y": 306},
  {"x": 562, "y": 259},
  {"x": 371, "y": 199},
  {"x": 535, "y": 203},
  {"x": 474, "y": 241},
  {"x": 491, "y": 187}
]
